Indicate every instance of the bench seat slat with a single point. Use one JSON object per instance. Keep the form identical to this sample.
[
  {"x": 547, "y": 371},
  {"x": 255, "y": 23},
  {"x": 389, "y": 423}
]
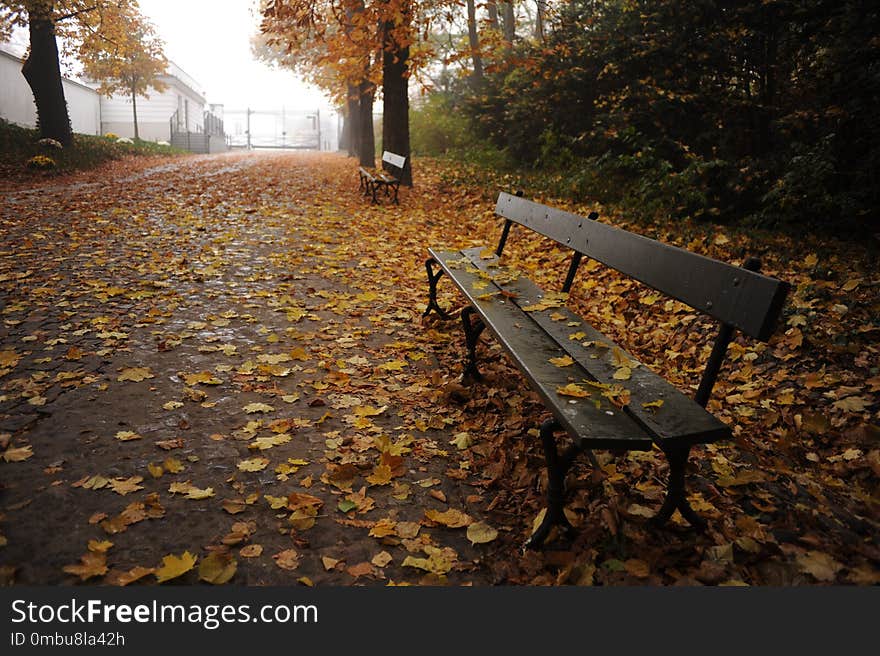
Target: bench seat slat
[
  {"x": 531, "y": 348},
  {"x": 679, "y": 419}
]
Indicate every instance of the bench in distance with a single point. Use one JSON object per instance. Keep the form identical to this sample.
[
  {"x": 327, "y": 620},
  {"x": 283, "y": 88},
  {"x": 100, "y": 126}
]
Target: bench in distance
[
  {"x": 389, "y": 179},
  {"x": 596, "y": 409}
]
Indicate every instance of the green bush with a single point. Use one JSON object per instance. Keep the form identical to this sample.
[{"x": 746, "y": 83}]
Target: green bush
[
  {"x": 436, "y": 129},
  {"x": 20, "y": 145}
]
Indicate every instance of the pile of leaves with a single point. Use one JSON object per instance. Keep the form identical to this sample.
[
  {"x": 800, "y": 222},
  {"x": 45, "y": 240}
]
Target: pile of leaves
[{"x": 220, "y": 372}]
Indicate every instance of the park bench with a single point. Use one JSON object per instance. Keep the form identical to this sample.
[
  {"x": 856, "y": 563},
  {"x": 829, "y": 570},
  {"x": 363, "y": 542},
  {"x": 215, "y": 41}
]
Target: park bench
[
  {"x": 388, "y": 179},
  {"x": 638, "y": 408}
]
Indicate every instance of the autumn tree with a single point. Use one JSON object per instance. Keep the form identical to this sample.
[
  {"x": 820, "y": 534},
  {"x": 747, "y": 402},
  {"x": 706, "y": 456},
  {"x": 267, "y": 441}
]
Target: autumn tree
[
  {"x": 332, "y": 44},
  {"x": 73, "y": 22},
  {"x": 729, "y": 109},
  {"x": 131, "y": 64},
  {"x": 364, "y": 43}
]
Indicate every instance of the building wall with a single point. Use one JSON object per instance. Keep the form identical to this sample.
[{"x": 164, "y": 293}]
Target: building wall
[
  {"x": 154, "y": 112},
  {"x": 17, "y": 100}
]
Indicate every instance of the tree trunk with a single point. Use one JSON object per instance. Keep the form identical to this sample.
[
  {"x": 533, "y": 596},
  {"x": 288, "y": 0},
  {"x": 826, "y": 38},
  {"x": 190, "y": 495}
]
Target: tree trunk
[
  {"x": 395, "y": 94},
  {"x": 42, "y": 71},
  {"x": 474, "y": 42},
  {"x": 508, "y": 21},
  {"x": 492, "y": 11},
  {"x": 540, "y": 10},
  {"x": 134, "y": 111},
  {"x": 351, "y": 127},
  {"x": 366, "y": 142}
]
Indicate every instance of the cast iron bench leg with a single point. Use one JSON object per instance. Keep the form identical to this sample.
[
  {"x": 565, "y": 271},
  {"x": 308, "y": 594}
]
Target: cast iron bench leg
[
  {"x": 396, "y": 188},
  {"x": 472, "y": 330},
  {"x": 557, "y": 466},
  {"x": 675, "y": 491},
  {"x": 432, "y": 291}
]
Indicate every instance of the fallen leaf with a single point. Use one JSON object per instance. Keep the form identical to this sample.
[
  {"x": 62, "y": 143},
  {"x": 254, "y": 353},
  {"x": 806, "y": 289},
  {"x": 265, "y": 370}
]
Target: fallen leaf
[
  {"x": 253, "y": 464},
  {"x": 175, "y": 566},
  {"x": 135, "y": 374},
  {"x": 481, "y": 533},
  {"x": 821, "y": 566},
  {"x": 452, "y": 518},
  {"x": 252, "y": 408},
  {"x": 381, "y": 559},
  {"x": 572, "y": 389},
  {"x": 18, "y": 454},
  {"x": 217, "y": 568},
  {"x": 287, "y": 559},
  {"x": 92, "y": 564}
]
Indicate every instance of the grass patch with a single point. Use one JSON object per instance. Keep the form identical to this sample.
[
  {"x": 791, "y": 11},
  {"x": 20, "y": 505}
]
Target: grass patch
[{"x": 20, "y": 145}]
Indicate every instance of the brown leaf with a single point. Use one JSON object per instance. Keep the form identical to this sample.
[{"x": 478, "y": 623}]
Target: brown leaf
[{"x": 287, "y": 559}]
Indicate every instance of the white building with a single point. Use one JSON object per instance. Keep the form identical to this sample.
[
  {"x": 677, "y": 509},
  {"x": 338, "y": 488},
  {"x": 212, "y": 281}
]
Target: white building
[
  {"x": 17, "y": 100},
  {"x": 176, "y": 115},
  {"x": 181, "y": 106}
]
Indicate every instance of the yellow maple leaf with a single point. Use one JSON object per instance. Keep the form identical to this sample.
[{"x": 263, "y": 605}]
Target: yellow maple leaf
[
  {"x": 202, "y": 377},
  {"x": 393, "y": 365},
  {"x": 572, "y": 389},
  {"x": 263, "y": 443},
  {"x": 368, "y": 411},
  {"x": 381, "y": 475},
  {"x": 127, "y": 436},
  {"x": 251, "y": 408},
  {"x": 253, "y": 464},
  {"x": 564, "y": 361},
  {"x": 175, "y": 566},
  {"x": 173, "y": 465},
  {"x": 299, "y": 353},
  {"x": 190, "y": 491},
  {"x": 123, "y": 486},
  {"x": 135, "y": 374},
  {"x": 452, "y": 518},
  {"x": 439, "y": 561}
]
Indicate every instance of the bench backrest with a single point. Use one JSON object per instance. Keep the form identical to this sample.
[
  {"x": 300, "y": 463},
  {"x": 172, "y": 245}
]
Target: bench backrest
[
  {"x": 735, "y": 296},
  {"x": 397, "y": 161}
]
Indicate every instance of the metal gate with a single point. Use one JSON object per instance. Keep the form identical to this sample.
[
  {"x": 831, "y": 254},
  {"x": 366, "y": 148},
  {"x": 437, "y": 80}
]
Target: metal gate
[{"x": 273, "y": 128}]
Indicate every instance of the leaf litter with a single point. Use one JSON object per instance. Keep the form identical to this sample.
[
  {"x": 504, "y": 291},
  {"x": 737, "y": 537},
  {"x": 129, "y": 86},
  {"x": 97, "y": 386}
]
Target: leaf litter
[{"x": 252, "y": 315}]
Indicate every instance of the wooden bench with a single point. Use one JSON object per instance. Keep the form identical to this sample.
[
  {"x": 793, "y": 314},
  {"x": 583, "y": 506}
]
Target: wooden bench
[
  {"x": 372, "y": 181},
  {"x": 592, "y": 399}
]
